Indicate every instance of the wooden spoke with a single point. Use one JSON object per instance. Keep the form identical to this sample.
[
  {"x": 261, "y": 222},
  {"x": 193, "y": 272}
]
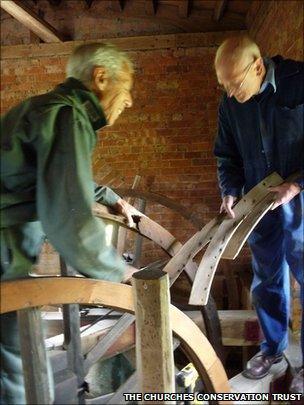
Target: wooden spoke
[
  {"x": 203, "y": 280},
  {"x": 21, "y": 294},
  {"x": 107, "y": 341}
]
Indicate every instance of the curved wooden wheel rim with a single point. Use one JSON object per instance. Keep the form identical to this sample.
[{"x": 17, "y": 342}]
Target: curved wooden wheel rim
[
  {"x": 21, "y": 294},
  {"x": 162, "y": 200},
  {"x": 155, "y": 232},
  {"x": 208, "y": 265}
]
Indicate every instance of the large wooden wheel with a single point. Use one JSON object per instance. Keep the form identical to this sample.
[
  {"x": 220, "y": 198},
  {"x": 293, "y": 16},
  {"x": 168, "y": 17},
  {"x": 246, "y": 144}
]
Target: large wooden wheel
[
  {"x": 28, "y": 293},
  {"x": 181, "y": 257}
]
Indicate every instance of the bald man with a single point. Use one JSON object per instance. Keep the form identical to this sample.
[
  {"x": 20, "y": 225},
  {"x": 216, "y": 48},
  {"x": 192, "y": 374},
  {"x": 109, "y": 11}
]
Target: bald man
[{"x": 261, "y": 131}]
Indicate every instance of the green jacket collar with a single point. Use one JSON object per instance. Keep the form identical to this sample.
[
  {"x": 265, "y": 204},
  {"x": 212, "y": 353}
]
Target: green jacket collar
[{"x": 87, "y": 99}]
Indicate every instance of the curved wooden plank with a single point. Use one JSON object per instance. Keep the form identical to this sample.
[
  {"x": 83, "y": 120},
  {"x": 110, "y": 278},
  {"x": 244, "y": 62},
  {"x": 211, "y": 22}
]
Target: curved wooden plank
[
  {"x": 253, "y": 218},
  {"x": 20, "y": 294},
  {"x": 203, "y": 280},
  {"x": 162, "y": 200},
  {"x": 144, "y": 226},
  {"x": 151, "y": 230},
  {"x": 246, "y": 227},
  {"x": 191, "y": 248}
]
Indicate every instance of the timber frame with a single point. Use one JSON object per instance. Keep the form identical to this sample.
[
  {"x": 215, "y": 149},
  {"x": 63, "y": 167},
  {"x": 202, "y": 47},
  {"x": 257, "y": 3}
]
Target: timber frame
[
  {"x": 29, "y": 293},
  {"x": 196, "y": 40}
]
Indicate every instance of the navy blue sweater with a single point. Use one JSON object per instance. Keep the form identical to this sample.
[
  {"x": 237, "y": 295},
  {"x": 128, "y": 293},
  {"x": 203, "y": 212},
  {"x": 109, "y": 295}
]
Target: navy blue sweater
[{"x": 264, "y": 134}]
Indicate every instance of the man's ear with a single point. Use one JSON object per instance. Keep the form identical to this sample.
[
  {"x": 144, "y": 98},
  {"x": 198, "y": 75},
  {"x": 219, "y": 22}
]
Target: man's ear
[
  {"x": 259, "y": 66},
  {"x": 99, "y": 78}
]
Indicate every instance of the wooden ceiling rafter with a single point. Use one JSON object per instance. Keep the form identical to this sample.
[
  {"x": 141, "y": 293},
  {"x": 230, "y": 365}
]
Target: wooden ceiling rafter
[
  {"x": 219, "y": 9},
  {"x": 31, "y": 20},
  {"x": 169, "y": 14}
]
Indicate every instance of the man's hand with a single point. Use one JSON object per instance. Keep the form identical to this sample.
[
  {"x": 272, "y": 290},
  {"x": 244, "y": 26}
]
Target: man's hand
[
  {"x": 227, "y": 204},
  {"x": 128, "y": 274},
  {"x": 125, "y": 209},
  {"x": 284, "y": 193}
]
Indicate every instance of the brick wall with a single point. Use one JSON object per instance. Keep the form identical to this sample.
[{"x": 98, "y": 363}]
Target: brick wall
[
  {"x": 166, "y": 137},
  {"x": 277, "y": 26},
  {"x": 168, "y": 134}
]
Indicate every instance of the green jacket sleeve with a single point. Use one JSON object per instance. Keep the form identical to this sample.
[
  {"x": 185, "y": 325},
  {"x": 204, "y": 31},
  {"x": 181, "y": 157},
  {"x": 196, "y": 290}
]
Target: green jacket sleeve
[
  {"x": 104, "y": 195},
  {"x": 65, "y": 194}
]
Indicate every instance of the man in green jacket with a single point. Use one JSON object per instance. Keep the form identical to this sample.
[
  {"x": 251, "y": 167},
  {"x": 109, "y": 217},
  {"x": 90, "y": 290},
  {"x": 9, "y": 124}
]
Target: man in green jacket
[{"x": 47, "y": 184}]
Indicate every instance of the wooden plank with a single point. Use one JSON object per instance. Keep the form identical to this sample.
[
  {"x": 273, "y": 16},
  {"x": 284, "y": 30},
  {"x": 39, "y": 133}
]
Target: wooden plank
[
  {"x": 164, "y": 201},
  {"x": 207, "y": 268},
  {"x": 143, "y": 225},
  {"x": 232, "y": 287},
  {"x": 201, "y": 40},
  {"x": 154, "y": 346},
  {"x": 35, "y": 369},
  {"x": 213, "y": 327},
  {"x": 193, "y": 246},
  {"x": 72, "y": 340},
  {"x": 247, "y": 226},
  {"x": 219, "y": 9},
  {"x": 31, "y": 20},
  {"x": 252, "y": 219},
  {"x": 151, "y": 230},
  {"x": 24, "y": 293},
  {"x": 238, "y": 327},
  {"x": 107, "y": 341}
]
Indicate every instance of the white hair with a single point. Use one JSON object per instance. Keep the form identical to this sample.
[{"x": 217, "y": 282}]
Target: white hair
[
  {"x": 236, "y": 48},
  {"x": 85, "y": 57}
]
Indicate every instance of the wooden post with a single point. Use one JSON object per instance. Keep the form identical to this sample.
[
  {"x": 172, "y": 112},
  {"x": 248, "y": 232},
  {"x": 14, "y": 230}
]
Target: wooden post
[
  {"x": 35, "y": 369},
  {"x": 72, "y": 338},
  {"x": 154, "y": 347}
]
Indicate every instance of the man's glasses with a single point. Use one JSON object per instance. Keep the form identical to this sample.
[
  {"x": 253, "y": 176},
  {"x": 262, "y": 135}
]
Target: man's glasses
[{"x": 235, "y": 89}]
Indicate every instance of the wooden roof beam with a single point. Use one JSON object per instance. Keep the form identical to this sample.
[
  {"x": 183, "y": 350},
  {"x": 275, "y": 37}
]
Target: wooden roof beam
[
  {"x": 31, "y": 20},
  {"x": 219, "y": 9}
]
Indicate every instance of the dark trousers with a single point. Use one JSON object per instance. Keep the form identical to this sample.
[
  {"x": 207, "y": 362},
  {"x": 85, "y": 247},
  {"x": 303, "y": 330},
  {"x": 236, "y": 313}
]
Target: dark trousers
[{"x": 277, "y": 246}]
